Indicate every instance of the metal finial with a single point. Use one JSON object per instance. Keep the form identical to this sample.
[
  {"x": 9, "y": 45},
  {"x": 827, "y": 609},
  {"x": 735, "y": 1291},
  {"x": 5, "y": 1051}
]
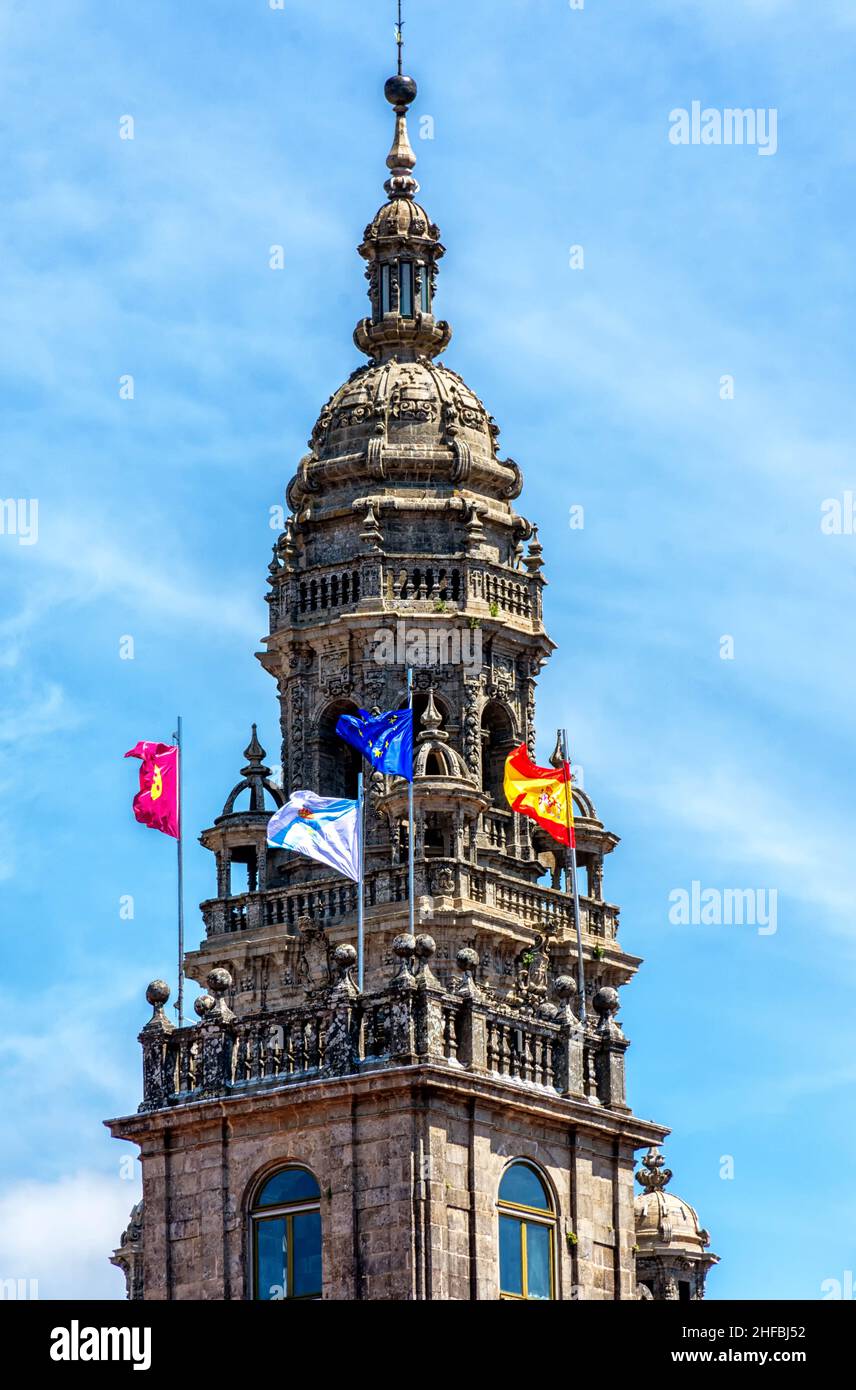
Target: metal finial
[{"x": 399, "y": 39}]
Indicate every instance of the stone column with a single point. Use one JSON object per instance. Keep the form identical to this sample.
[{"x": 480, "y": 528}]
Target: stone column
[
  {"x": 472, "y": 1019},
  {"x": 569, "y": 1063},
  {"x": 341, "y": 1043},
  {"x": 429, "y": 1017},
  {"x": 402, "y": 1044},
  {"x": 157, "y": 1083},
  {"x": 611, "y": 1086}
]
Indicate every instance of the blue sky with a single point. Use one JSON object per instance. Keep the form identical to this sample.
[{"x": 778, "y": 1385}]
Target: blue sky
[{"x": 149, "y": 257}]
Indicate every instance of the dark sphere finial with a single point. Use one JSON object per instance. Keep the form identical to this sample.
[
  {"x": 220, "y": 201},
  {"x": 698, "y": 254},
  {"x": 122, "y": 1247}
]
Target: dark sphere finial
[{"x": 400, "y": 91}]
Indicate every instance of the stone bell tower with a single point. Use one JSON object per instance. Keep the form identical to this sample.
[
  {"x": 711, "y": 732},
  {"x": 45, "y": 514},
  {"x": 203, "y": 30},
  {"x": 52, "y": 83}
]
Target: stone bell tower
[{"x": 459, "y": 1129}]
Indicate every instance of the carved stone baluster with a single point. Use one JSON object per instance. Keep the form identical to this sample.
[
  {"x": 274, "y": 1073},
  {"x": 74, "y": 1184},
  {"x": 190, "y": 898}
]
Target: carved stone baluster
[
  {"x": 613, "y": 1045},
  {"x": 340, "y": 1037},
  {"x": 154, "y": 1039},
  {"x": 402, "y": 1007},
  {"x": 429, "y": 1032},
  {"x": 569, "y": 1053}
]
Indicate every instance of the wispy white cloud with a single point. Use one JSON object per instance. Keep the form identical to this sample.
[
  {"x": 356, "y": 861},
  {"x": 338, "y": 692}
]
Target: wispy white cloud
[{"x": 56, "y": 1237}]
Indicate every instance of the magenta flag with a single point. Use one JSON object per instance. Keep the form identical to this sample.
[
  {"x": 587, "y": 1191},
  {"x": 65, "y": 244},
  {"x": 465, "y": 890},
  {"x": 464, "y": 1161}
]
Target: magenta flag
[{"x": 156, "y": 803}]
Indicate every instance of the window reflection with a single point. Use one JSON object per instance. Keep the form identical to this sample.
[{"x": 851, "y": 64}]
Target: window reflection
[
  {"x": 286, "y": 1237},
  {"x": 527, "y": 1227}
]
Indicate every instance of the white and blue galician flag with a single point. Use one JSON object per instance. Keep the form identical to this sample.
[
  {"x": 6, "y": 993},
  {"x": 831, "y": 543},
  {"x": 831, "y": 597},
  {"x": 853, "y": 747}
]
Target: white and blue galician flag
[{"x": 321, "y": 828}]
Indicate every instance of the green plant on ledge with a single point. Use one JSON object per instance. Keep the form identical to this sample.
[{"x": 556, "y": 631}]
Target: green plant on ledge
[
  {"x": 440, "y": 605},
  {"x": 494, "y": 610},
  {"x": 572, "y": 1238}
]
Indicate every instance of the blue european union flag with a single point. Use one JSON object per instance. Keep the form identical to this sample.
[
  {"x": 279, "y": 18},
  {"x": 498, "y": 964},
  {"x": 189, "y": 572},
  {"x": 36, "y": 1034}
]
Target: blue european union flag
[{"x": 385, "y": 740}]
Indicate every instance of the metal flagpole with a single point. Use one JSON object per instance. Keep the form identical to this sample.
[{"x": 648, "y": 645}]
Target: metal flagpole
[
  {"x": 572, "y": 856},
  {"x": 180, "y": 842},
  {"x": 410, "y": 849},
  {"x": 361, "y": 823}
]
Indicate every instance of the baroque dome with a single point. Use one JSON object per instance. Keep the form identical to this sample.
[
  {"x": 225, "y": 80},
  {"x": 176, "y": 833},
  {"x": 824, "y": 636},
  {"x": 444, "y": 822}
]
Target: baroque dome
[
  {"x": 421, "y": 402},
  {"x": 391, "y": 418},
  {"x": 664, "y": 1220}
]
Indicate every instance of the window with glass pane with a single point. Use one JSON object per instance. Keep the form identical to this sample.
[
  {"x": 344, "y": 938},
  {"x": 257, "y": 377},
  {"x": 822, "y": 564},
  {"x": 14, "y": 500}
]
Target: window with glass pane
[
  {"x": 286, "y": 1222},
  {"x": 526, "y": 1235},
  {"x": 405, "y": 276},
  {"x": 538, "y": 1241},
  {"x": 511, "y": 1256},
  {"x": 385, "y": 293},
  {"x": 426, "y": 290}
]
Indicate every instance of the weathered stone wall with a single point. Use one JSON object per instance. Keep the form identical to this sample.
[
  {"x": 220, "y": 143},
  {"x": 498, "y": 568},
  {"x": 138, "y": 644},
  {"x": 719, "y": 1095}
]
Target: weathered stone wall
[{"x": 409, "y": 1166}]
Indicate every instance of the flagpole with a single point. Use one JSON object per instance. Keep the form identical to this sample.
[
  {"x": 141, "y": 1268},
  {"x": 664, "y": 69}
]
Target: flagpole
[
  {"x": 361, "y": 822},
  {"x": 180, "y": 843},
  {"x": 410, "y": 848},
  {"x": 572, "y": 855}
]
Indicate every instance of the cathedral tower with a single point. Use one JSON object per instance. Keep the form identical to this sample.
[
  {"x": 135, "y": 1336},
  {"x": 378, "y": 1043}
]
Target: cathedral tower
[{"x": 459, "y": 1128}]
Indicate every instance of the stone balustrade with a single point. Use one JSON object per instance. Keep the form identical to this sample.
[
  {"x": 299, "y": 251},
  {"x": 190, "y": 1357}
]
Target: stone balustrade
[
  {"x": 330, "y": 901},
  {"x": 340, "y": 1032},
  {"x": 300, "y": 596}
]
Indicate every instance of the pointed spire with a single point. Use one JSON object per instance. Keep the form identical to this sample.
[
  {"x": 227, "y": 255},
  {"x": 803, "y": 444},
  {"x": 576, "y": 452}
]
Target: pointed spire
[
  {"x": 402, "y": 246},
  {"x": 255, "y": 755},
  {"x": 431, "y": 722},
  {"x": 400, "y": 92},
  {"x": 255, "y": 773},
  {"x": 255, "y": 778}
]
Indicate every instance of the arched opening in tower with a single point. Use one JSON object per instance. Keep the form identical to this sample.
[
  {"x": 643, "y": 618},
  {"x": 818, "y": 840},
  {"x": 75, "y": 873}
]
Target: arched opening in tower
[
  {"x": 420, "y": 706},
  {"x": 497, "y": 741},
  {"x": 338, "y": 763}
]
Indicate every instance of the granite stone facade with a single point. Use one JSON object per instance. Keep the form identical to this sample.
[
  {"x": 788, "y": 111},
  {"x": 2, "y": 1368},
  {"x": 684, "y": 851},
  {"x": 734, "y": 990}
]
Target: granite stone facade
[{"x": 470, "y": 1044}]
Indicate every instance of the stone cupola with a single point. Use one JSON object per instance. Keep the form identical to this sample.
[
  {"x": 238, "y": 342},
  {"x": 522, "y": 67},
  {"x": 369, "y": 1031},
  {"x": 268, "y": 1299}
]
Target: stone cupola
[
  {"x": 239, "y": 836},
  {"x": 673, "y": 1257},
  {"x": 402, "y": 247}
]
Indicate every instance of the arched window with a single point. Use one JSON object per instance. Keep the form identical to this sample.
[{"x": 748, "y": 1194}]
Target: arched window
[
  {"x": 286, "y": 1237},
  {"x": 497, "y": 737},
  {"x": 527, "y": 1228},
  {"x": 338, "y": 763}
]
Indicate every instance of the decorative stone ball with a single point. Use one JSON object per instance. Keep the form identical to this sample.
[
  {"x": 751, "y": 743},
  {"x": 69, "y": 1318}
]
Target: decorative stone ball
[
  {"x": 219, "y": 980},
  {"x": 404, "y": 945},
  {"x": 157, "y": 993},
  {"x": 426, "y": 947},
  {"x": 203, "y": 1005},
  {"x": 345, "y": 957},
  {"x": 606, "y": 1001},
  {"x": 548, "y": 1011},
  {"x": 467, "y": 959},
  {"x": 400, "y": 91},
  {"x": 565, "y": 987}
]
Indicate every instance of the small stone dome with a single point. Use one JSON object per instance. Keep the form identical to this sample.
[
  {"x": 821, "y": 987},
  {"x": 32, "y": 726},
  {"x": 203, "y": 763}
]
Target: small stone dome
[
  {"x": 664, "y": 1220},
  {"x": 434, "y": 755},
  {"x": 401, "y": 217},
  {"x": 434, "y": 758}
]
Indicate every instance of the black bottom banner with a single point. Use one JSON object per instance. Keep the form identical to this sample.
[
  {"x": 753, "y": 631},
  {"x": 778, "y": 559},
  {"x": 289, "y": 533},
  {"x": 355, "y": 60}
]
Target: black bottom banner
[{"x": 241, "y": 1338}]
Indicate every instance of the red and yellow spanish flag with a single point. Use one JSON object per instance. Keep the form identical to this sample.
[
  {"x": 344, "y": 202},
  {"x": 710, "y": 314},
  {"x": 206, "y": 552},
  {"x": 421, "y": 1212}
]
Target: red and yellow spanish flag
[
  {"x": 156, "y": 803},
  {"x": 543, "y": 793}
]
